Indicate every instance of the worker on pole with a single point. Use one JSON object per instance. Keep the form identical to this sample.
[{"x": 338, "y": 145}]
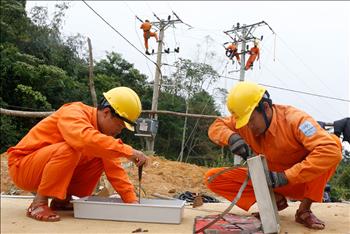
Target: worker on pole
[
  {"x": 146, "y": 27},
  {"x": 66, "y": 153},
  {"x": 254, "y": 54},
  {"x": 232, "y": 51},
  {"x": 301, "y": 156}
]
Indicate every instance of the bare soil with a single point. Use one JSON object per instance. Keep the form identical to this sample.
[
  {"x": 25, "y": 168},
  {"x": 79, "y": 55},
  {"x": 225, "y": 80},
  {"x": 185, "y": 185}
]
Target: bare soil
[{"x": 161, "y": 176}]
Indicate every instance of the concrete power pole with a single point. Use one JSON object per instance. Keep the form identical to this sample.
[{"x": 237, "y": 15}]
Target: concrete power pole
[
  {"x": 242, "y": 70},
  {"x": 91, "y": 74},
  {"x": 244, "y": 34},
  {"x": 162, "y": 25},
  {"x": 156, "y": 85}
]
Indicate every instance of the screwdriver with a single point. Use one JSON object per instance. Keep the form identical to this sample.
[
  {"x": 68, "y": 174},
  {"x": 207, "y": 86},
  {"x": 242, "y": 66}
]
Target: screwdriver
[{"x": 140, "y": 178}]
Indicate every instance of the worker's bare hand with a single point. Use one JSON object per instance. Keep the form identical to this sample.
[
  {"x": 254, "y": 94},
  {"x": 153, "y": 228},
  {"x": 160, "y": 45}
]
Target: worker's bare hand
[{"x": 139, "y": 158}]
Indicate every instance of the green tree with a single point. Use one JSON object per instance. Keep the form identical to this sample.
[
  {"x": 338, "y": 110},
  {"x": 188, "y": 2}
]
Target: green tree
[
  {"x": 190, "y": 81},
  {"x": 39, "y": 70}
]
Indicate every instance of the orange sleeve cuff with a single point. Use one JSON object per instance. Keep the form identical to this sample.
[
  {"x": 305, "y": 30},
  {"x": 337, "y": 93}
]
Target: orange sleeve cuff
[{"x": 129, "y": 197}]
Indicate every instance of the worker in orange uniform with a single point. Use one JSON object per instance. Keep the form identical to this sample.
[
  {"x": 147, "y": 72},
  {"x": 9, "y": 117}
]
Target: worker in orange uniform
[
  {"x": 66, "y": 153},
  {"x": 146, "y": 27},
  {"x": 254, "y": 54},
  {"x": 231, "y": 51},
  {"x": 301, "y": 156}
]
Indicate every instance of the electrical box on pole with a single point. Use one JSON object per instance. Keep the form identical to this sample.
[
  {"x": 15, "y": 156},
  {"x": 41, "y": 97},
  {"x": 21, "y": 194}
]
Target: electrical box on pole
[{"x": 162, "y": 25}]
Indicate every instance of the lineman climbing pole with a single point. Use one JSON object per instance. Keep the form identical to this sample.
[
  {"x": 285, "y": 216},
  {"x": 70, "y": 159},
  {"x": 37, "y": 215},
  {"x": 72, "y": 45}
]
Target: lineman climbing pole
[
  {"x": 244, "y": 34},
  {"x": 161, "y": 25}
]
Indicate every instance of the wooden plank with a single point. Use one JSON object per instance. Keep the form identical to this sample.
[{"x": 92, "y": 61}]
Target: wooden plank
[{"x": 265, "y": 197}]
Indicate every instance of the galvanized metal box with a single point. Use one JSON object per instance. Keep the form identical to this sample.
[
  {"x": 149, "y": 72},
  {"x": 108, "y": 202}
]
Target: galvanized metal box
[
  {"x": 146, "y": 127},
  {"x": 149, "y": 210}
]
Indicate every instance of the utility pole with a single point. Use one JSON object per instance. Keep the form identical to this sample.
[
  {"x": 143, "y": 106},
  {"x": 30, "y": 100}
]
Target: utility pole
[
  {"x": 242, "y": 70},
  {"x": 244, "y": 34},
  {"x": 156, "y": 86},
  {"x": 162, "y": 25},
  {"x": 91, "y": 74}
]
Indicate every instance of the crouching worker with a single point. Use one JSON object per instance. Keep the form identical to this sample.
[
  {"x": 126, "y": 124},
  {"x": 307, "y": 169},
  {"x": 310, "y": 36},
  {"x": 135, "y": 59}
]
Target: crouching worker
[
  {"x": 66, "y": 153},
  {"x": 301, "y": 156}
]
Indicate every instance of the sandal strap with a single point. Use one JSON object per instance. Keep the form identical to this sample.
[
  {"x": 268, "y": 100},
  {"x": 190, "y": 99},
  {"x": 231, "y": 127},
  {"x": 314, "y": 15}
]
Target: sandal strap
[
  {"x": 308, "y": 218},
  {"x": 38, "y": 210}
]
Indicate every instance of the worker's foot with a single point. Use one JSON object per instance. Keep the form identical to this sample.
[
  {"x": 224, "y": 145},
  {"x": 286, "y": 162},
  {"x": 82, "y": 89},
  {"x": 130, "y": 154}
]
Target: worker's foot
[
  {"x": 57, "y": 204},
  {"x": 39, "y": 210},
  {"x": 281, "y": 204},
  {"x": 309, "y": 220},
  {"x": 147, "y": 52}
]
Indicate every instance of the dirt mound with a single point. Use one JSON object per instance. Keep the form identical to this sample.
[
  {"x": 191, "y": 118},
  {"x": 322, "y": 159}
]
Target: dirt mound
[
  {"x": 162, "y": 176},
  {"x": 169, "y": 177}
]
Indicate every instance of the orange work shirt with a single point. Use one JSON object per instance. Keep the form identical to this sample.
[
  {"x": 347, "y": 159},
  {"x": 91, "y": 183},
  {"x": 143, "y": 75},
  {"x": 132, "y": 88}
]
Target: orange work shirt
[
  {"x": 232, "y": 47},
  {"x": 255, "y": 51},
  {"x": 76, "y": 124},
  {"x": 293, "y": 143},
  {"x": 146, "y": 26}
]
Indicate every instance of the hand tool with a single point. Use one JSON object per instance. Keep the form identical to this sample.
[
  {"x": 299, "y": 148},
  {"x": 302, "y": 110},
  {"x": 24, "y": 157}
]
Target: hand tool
[{"x": 140, "y": 178}]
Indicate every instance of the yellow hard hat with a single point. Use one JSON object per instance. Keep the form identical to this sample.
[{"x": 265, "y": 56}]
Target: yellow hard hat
[
  {"x": 126, "y": 103},
  {"x": 242, "y": 100}
]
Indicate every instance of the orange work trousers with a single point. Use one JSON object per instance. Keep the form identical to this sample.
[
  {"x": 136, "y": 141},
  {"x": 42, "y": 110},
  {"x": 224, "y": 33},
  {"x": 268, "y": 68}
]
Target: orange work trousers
[
  {"x": 55, "y": 171},
  {"x": 228, "y": 184},
  {"x": 250, "y": 61},
  {"x": 147, "y": 35}
]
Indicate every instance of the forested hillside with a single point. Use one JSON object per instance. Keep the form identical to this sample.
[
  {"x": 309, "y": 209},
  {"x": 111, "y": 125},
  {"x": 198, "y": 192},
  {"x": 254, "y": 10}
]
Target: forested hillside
[{"x": 41, "y": 69}]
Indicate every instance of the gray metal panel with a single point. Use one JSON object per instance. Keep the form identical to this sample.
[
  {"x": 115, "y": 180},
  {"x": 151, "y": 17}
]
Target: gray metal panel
[{"x": 264, "y": 194}]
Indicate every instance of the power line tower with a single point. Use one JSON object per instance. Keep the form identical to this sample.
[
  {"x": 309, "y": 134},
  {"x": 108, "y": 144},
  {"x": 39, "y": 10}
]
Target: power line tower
[
  {"x": 244, "y": 34},
  {"x": 161, "y": 25}
]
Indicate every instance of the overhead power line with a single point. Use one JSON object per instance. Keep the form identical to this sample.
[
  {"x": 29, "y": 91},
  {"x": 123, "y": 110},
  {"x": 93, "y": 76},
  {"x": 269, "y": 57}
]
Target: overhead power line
[
  {"x": 293, "y": 90},
  {"x": 276, "y": 87},
  {"x": 115, "y": 30}
]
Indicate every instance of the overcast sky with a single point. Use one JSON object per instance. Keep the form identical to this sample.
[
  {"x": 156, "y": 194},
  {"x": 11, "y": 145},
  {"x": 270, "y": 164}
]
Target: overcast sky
[{"x": 310, "y": 52}]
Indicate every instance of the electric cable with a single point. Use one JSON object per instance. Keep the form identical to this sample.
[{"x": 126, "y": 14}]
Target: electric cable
[
  {"x": 295, "y": 75},
  {"x": 115, "y": 30},
  {"x": 285, "y": 89},
  {"x": 297, "y": 56},
  {"x": 303, "y": 100},
  {"x": 138, "y": 37},
  {"x": 293, "y": 90}
]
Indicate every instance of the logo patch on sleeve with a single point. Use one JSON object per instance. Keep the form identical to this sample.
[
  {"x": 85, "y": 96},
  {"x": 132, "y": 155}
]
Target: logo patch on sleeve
[{"x": 307, "y": 128}]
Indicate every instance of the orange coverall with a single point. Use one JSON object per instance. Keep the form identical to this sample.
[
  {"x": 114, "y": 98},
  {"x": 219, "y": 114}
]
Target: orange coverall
[
  {"x": 308, "y": 161},
  {"x": 66, "y": 154},
  {"x": 146, "y": 26},
  {"x": 254, "y": 53},
  {"x": 232, "y": 47}
]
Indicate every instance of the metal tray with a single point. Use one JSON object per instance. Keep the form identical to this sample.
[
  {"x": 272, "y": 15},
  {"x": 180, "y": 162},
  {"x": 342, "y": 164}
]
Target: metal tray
[{"x": 149, "y": 210}]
